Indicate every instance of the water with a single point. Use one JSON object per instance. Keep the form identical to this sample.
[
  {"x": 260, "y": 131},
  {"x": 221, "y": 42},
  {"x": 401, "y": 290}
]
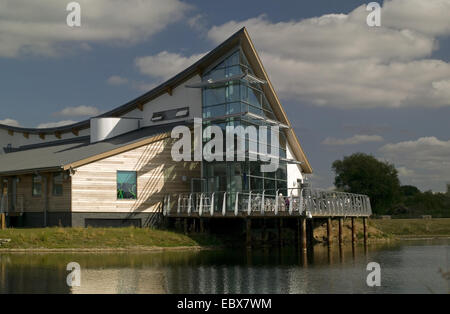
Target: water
[{"x": 406, "y": 267}]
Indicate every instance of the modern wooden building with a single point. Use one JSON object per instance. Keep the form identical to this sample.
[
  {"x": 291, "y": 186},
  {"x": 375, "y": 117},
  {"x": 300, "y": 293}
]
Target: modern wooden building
[{"x": 116, "y": 169}]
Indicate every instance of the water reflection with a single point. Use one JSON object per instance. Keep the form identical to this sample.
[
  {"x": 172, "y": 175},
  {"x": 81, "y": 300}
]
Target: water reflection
[{"x": 406, "y": 267}]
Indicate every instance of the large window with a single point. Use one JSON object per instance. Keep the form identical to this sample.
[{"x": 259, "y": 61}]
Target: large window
[
  {"x": 58, "y": 184},
  {"x": 36, "y": 185},
  {"x": 226, "y": 105},
  {"x": 126, "y": 185}
]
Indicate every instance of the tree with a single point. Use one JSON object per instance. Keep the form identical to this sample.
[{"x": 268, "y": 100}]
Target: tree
[
  {"x": 409, "y": 190},
  {"x": 364, "y": 174}
]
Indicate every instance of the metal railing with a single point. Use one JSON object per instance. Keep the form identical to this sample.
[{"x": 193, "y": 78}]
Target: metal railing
[{"x": 305, "y": 202}]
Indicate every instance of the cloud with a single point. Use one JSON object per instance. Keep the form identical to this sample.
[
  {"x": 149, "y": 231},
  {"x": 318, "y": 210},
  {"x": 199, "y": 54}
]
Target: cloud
[
  {"x": 116, "y": 80},
  {"x": 165, "y": 64},
  {"x": 10, "y": 122},
  {"x": 354, "y": 140},
  {"x": 198, "y": 23},
  {"x": 336, "y": 60},
  {"x": 39, "y": 27},
  {"x": 428, "y": 17},
  {"x": 405, "y": 172},
  {"x": 79, "y": 111},
  {"x": 423, "y": 162},
  {"x": 55, "y": 124}
]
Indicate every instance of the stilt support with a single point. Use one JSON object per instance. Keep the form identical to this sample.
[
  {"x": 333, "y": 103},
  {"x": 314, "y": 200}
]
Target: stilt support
[
  {"x": 353, "y": 231},
  {"x": 2, "y": 221},
  {"x": 263, "y": 231},
  {"x": 248, "y": 232},
  {"x": 329, "y": 231},
  {"x": 310, "y": 232},
  {"x": 303, "y": 234},
  {"x": 202, "y": 225},
  {"x": 341, "y": 231},
  {"x": 365, "y": 230},
  {"x": 280, "y": 231}
]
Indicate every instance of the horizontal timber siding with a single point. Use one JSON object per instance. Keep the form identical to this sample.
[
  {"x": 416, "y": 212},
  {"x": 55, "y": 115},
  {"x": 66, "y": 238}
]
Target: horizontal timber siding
[{"x": 94, "y": 186}]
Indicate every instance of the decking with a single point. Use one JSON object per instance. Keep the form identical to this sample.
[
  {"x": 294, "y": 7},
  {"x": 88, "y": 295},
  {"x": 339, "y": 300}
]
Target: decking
[{"x": 304, "y": 205}]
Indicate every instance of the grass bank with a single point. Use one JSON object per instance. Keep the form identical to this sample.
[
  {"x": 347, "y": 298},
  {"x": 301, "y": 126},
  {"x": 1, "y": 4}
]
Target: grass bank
[
  {"x": 385, "y": 230},
  {"x": 101, "y": 238},
  {"x": 436, "y": 227}
]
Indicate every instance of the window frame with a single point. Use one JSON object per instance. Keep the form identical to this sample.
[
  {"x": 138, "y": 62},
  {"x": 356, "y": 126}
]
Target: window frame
[
  {"x": 33, "y": 185},
  {"x": 117, "y": 185},
  {"x": 61, "y": 184}
]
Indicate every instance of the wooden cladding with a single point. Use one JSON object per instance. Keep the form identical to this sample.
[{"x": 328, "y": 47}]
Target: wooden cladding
[{"x": 94, "y": 185}]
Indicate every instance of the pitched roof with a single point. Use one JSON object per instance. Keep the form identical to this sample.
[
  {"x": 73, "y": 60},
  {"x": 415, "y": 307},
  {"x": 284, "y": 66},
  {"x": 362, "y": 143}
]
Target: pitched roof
[
  {"x": 62, "y": 155},
  {"x": 240, "y": 37}
]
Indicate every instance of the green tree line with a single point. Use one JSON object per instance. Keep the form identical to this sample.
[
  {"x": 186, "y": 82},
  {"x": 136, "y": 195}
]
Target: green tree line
[{"x": 364, "y": 174}]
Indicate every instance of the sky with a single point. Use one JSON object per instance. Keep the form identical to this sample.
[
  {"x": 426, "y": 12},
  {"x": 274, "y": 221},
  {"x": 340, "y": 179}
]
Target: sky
[{"x": 345, "y": 86}]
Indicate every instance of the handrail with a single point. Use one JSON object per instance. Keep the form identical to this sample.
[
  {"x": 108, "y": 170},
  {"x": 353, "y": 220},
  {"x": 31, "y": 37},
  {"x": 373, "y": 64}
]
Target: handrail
[{"x": 308, "y": 202}]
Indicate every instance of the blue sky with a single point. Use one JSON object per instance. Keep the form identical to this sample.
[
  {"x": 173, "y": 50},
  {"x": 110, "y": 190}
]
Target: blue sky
[{"x": 345, "y": 86}]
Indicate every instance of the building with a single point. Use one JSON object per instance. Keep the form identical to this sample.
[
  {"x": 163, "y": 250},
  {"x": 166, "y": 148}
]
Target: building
[{"x": 115, "y": 169}]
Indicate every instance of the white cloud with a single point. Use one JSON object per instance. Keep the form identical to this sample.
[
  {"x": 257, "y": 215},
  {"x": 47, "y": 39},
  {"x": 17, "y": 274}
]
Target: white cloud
[
  {"x": 354, "y": 140},
  {"x": 405, "y": 172},
  {"x": 198, "y": 23},
  {"x": 428, "y": 17},
  {"x": 165, "y": 64},
  {"x": 79, "y": 111},
  {"x": 424, "y": 162},
  {"x": 330, "y": 37},
  {"x": 116, "y": 80},
  {"x": 55, "y": 124},
  {"x": 336, "y": 60},
  {"x": 39, "y": 27},
  {"x": 10, "y": 122}
]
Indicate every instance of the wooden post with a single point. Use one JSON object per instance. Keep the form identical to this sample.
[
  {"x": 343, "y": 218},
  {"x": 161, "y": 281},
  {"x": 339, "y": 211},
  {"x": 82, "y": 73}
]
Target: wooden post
[
  {"x": 329, "y": 235},
  {"x": 330, "y": 259},
  {"x": 310, "y": 232},
  {"x": 263, "y": 231},
  {"x": 365, "y": 230},
  {"x": 185, "y": 222},
  {"x": 3, "y": 221},
  {"x": 303, "y": 235},
  {"x": 202, "y": 226},
  {"x": 280, "y": 231},
  {"x": 248, "y": 232},
  {"x": 341, "y": 253},
  {"x": 341, "y": 227},
  {"x": 353, "y": 231}
]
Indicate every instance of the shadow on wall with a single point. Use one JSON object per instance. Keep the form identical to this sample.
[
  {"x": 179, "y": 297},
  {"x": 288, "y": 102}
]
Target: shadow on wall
[{"x": 166, "y": 178}]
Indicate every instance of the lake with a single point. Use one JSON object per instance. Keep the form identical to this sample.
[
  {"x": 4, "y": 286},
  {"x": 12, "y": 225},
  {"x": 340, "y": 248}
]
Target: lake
[{"x": 406, "y": 267}]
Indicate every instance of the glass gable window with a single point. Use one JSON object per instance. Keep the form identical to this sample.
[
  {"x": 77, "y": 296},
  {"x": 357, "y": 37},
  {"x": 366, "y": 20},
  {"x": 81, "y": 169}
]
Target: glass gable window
[
  {"x": 227, "y": 105},
  {"x": 126, "y": 185},
  {"x": 58, "y": 184},
  {"x": 36, "y": 185}
]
